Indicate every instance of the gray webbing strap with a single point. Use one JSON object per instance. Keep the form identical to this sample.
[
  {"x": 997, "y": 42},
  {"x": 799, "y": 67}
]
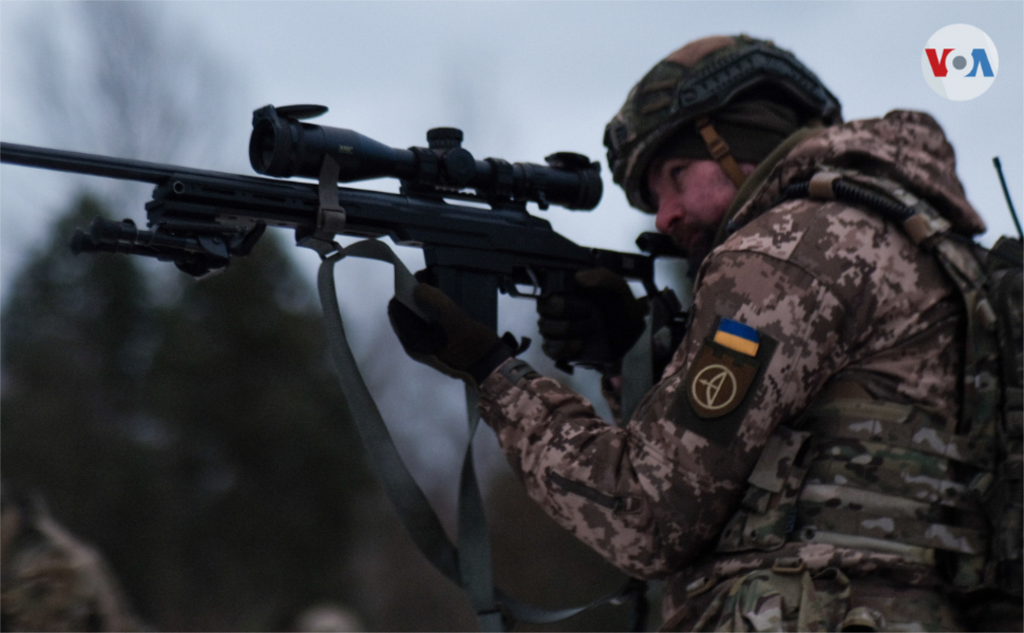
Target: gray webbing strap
[
  {"x": 637, "y": 373},
  {"x": 474, "y": 542},
  {"x": 470, "y": 565},
  {"x": 472, "y": 569},
  {"x": 417, "y": 515}
]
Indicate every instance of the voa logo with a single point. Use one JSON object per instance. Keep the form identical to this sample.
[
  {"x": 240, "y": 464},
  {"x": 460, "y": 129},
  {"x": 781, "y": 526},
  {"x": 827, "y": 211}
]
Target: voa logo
[{"x": 960, "y": 62}]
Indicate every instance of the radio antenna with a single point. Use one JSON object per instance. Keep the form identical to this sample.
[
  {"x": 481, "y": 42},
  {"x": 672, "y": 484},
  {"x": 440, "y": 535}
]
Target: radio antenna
[{"x": 1006, "y": 193}]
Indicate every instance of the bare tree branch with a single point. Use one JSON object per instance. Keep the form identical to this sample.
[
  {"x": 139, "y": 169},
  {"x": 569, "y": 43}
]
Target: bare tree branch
[{"x": 118, "y": 78}]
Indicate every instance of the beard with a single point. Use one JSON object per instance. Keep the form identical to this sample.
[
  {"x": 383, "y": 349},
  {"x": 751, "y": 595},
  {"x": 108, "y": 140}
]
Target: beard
[{"x": 696, "y": 242}]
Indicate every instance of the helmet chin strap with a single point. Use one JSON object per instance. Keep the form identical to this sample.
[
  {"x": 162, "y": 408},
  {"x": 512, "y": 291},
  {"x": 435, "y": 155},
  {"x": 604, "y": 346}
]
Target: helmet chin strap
[{"x": 719, "y": 150}]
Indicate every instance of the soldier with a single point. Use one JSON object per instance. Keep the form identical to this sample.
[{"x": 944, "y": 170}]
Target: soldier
[
  {"x": 51, "y": 581},
  {"x": 816, "y": 452}
]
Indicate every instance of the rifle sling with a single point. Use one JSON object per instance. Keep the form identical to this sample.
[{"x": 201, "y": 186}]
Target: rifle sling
[{"x": 469, "y": 566}]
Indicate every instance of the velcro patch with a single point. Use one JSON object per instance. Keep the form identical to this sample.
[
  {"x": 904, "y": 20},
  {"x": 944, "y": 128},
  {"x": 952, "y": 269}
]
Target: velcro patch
[
  {"x": 719, "y": 382},
  {"x": 737, "y": 336}
]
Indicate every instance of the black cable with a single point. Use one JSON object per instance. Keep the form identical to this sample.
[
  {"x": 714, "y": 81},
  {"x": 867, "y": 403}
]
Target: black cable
[
  {"x": 848, "y": 192},
  {"x": 1006, "y": 193}
]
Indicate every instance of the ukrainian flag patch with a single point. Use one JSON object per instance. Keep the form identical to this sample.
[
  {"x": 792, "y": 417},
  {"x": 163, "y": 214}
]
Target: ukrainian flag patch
[
  {"x": 714, "y": 398},
  {"x": 737, "y": 337}
]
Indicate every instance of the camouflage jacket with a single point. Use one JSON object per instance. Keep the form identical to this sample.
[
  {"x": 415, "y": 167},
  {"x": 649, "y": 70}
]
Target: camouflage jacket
[
  {"x": 51, "y": 581},
  {"x": 835, "y": 293}
]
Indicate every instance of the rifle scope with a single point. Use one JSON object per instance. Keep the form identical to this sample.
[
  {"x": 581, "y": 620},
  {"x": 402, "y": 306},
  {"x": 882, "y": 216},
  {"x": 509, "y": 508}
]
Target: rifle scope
[{"x": 281, "y": 145}]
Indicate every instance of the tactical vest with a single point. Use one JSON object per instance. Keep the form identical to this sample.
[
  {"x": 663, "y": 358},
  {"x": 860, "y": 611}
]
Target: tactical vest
[{"x": 880, "y": 476}]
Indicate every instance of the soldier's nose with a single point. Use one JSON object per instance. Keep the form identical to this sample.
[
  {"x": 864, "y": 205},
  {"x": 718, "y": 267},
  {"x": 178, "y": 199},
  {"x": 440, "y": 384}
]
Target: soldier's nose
[{"x": 668, "y": 215}]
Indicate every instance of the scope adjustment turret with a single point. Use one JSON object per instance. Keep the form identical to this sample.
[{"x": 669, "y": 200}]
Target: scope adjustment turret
[{"x": 442, "y": 138}]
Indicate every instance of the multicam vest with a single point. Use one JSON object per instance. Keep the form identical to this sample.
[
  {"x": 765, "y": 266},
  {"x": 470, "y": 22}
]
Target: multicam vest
[{"x": 879, "y": 476}]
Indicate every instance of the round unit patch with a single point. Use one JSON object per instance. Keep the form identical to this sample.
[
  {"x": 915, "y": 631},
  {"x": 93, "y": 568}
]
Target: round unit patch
[
  {"x": 718, "y": 380},
  {"x": 714, "y": 387}
]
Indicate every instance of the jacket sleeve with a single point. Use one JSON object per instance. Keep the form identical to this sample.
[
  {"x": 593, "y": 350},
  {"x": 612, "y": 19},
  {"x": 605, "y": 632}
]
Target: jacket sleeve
[{"x": 654, "y": 495}]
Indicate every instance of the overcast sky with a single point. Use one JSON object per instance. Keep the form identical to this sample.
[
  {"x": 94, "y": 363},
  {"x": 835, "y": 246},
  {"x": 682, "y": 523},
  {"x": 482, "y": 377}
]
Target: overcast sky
[{"x": 523, "y": 79}]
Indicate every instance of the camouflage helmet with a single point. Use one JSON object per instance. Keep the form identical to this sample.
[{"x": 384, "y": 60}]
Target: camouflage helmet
[{"x": 696, "y": 81}]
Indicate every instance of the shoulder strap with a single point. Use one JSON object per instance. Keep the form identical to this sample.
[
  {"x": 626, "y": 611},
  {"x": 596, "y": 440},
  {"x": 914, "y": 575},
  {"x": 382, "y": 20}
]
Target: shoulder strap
[
  {"x": 956, "y": 254},
  {"x": 989, "y": 281},
  {"x": 1005, "y": 264}
]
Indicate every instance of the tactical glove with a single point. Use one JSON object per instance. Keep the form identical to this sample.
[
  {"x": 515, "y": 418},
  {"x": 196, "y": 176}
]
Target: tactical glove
[
  {"x": 449, "y": 340},
  {"x": 595, "y": 325}
]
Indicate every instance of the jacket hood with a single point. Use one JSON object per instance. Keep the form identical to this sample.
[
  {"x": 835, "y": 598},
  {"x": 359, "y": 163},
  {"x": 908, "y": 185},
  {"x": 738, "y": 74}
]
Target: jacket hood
[{"x": 907, "y": 147}]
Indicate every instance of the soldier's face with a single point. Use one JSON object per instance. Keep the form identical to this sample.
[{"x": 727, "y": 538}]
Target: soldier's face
[{"x": 692, "y": 197}]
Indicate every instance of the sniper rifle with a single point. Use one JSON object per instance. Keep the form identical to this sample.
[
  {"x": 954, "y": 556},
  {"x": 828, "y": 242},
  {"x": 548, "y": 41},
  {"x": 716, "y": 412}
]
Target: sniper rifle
[{"x": 200, "y": 219}]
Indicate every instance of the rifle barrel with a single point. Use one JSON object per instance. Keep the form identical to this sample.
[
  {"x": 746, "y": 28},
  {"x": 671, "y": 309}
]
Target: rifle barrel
[{"x": 91, "y": 164}]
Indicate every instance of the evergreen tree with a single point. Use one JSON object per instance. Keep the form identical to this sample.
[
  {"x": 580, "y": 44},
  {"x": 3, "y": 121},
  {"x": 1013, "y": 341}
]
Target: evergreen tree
[
  {"x": 74, "y": 340},
  {"x": 203, "y": 446},
  {"x": 267, "y": 465}
]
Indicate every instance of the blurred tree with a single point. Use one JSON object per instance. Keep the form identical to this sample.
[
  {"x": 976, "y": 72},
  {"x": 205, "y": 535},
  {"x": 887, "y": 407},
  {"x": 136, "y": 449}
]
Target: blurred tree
[
  {"x": 120, "y": 79},
  {"x": 135, "y": 86},
  {"x": 204, "y": 446},
  {"x": 76, "y": 343},
  {"x": 265, "y": 466},
  {"x": 200, "y": 441}
]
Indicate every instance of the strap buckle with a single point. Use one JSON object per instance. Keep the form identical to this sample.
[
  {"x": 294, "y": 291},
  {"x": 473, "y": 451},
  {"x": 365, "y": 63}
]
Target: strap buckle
[
  {"x": 789, "y": 565},
  {"x": 820, "y": 185},
  {"x": 719, "y": 150},
  {"x": 701, "y": 585}
]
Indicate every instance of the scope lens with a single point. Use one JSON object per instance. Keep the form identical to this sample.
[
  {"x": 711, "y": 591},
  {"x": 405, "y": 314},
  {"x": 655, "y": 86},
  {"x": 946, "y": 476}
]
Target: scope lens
[
  {"x": 261, "y": 147},
  {"x": 267, "y": 147}
]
